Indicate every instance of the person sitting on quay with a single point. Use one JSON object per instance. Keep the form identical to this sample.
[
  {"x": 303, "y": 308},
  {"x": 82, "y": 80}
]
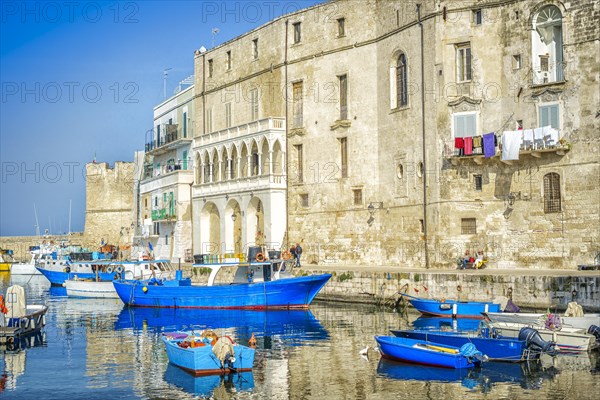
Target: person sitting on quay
[{"x": 467, "y": 259}]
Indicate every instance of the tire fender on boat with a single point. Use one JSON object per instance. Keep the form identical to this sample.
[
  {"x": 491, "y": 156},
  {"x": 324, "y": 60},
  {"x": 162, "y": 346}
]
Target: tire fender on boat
[
  {"x": 110, "y": 269},
  {"x": 119, "y": 269},
  {"x": 286, "y": 255},
  {"x": 260, "y": 257},
  {"x": 67, "y": 270}
]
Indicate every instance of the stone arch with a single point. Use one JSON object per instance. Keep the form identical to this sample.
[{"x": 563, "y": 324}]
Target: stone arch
[
  {"x": 210, "y": 228},
  {"x": 278, "y": 160},
  {"x": 255, "y": 221},
  {"x": 547, "y": 43},
  {"x": 399, "y": 88},
  {"x": 244, "y": 167},
  {"x": 233, "y": 227}
]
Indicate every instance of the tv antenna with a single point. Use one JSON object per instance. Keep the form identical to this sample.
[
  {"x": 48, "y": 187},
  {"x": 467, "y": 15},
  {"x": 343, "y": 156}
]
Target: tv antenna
[{"x": 165, "y": 74}]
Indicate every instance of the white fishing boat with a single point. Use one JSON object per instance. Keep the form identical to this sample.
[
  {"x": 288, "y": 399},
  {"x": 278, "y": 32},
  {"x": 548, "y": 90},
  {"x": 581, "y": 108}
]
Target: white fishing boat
[
  {"x": 567, "y": 339},
  {"x": 583, "y": 322},
  {"x": 101, "y": 286},
  {"x": 29, "y": 268}
]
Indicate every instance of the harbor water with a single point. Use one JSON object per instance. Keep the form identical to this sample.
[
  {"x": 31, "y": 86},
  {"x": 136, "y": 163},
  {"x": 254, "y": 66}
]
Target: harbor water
[{"x": 98, "y": 349}]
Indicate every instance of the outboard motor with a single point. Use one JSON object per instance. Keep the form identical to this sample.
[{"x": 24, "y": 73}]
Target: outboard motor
[
  {"x": 534, "y": 341},
  {"x": 594, "y": 330}
]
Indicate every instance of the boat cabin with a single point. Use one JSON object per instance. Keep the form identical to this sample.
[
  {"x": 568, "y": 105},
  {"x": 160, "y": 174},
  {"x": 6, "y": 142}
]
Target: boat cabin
[{"x": 255, "y": 272}]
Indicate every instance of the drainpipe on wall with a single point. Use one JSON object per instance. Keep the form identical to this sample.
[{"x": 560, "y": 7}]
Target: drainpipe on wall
[
  {"x": 287, "y": 182},
  {"x": 423, "y": 135}
]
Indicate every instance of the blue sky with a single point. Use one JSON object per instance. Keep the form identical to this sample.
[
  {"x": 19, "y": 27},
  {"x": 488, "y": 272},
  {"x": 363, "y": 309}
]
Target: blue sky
[{"x": 81, "y": 78}]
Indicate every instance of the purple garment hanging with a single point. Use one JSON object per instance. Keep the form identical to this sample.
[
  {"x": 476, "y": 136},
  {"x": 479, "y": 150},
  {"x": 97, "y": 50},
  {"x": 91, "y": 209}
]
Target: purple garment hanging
[{"x": 489, "y": 148}]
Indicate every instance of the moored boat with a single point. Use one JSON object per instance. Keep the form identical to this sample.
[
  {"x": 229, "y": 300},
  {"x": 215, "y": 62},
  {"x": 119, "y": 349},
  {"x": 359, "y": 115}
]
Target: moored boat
[
  {"x": 17, "y": 318},
  {"x": 428, "y": 353},
  {"x": 207, "y": 354},
  {"x": 6, "y": 260},
  {"x": 452, "y": 308},
  {"x": 90, "y": 289},
  {"x": 582, "y": 322},
  {"x": 567, "y": 340},
  {"x": 498, "y": 349},
  {"x": 260, "y": 285}
]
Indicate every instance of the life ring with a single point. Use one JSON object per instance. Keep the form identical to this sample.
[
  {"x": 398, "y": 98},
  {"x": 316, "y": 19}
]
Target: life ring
[
  {"x": 109, "y": 269},
  {"x": 67, "y": 270},
  {"x": 119, "y": 269},
  {"x": 260, "y": 257},
  {"x": 286, "y": 255}
]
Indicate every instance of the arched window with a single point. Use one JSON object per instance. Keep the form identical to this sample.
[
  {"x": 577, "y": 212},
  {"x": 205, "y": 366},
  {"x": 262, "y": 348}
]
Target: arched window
[
  {"x": 552, "y": 193},
  {"x": 547, "y": 46},
  {"x": 401, "y": 82}
]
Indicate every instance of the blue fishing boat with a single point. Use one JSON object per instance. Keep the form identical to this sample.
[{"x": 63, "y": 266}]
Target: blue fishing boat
[
  {"x": 495, "y": 348},
  {"x": 428, "y": 353},
  {"x": 206, "y": 354},
  {"x": 204, "y": 386},
  {"x": 105, "y": 270},
  {"x": 446, "y": 323},
  {"x": 452, "y": 308},
  {"x": 260, "y": 285}
]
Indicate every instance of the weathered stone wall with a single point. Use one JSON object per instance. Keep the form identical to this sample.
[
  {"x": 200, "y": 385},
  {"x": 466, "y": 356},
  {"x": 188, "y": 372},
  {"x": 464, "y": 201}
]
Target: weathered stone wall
[
  {"x": 109, "y": 203},
  {"x": 20, "y": 244}
]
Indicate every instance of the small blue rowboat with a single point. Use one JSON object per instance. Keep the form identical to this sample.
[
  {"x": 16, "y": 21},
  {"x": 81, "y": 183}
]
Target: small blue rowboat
[
  {"x": 204, "y": 356},
  {"x": 498, "y": 349},
  {"x": 428, "y": 353},
  {"x": 452, "y": 308}
]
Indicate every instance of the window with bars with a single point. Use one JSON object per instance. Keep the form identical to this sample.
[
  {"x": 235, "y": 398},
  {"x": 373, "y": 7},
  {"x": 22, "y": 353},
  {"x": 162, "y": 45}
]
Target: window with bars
[
  {"x": 478, "y": 182},
  {"x": 357, "y": 195},
  {"x": 299, "y": 162},
  {"x": 297, "y": 104},
  {"x": 344, "y": 156},
  {"x": 343, "y": 96},
  {"x": 463, "y": 62},
  {"x": 401, "y": 81},
  {"x": 552, "y": 193},
  {"x": 468, "y": 226},
  {"x": 304, "y": 200},
  {"x": 478, "y": 16}
]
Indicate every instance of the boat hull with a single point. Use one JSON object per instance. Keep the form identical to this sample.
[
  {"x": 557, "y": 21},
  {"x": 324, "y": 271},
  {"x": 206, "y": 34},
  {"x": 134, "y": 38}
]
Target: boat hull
[
  {"x": 91, "y": 289},
  {"x": 568, "y": 340},
  {"x": 537, "y": 319},
  {"x": 505, "y": 349},
  {"x": 4, "y": 267},
  {"x": 24, "y": 269},
  {"x": 58, "y": 278},
  {"x": 421, "y": 352},
  {"x": 32, "y": 322},
  {"x": 201, "y": 361},
  {"x": 290, "y": 293},
  {"x": 449, "y": 308}
]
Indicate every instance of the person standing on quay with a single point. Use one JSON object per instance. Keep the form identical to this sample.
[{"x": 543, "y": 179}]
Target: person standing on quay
[{"x": 298, "y": 254}]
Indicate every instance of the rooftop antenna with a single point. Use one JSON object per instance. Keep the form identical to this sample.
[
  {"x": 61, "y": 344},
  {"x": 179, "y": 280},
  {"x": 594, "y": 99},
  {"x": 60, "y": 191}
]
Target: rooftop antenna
[
  {"x": 215, "y": 32},
  {"x": 37, "y": 224},
  {"x": 165, "y": 74}
]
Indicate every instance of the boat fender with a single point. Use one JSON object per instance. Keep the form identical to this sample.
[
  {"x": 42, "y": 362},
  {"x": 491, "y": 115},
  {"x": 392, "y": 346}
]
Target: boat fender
[
  {"x": 109, "y": 269},
  {"x": 119, "y": 269},
  {"x": 67, "y": 270},
  {"x": 117, "y": 276},
  {"x": 260, "y": 257},
  {"x": 145, "y": 289},
  {"x": 286, "y": 255},
  {"x": 3, "y": 308}
]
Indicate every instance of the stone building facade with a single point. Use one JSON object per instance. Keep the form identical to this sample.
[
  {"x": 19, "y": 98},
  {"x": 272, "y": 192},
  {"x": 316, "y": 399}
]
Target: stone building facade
[
  {"x": 109, "y": 204},
  {"x": 363, "y": 103}
]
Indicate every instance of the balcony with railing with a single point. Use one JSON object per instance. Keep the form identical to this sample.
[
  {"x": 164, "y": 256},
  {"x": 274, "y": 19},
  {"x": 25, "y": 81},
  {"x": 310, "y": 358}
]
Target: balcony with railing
[
  {"x": 533, "y": 143},
  {"x": 244, "y": 184},
  {"x": 167, "y": 137},
  {"x": 273, "y": 125},
  {"x": 180, "y": 172},
  {"x": 164, "y": 214}
]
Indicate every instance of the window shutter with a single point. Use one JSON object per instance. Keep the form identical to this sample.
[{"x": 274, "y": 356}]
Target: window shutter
[
  {"x": 544, "y": 119},
  {"x": 553, "y": 111}
]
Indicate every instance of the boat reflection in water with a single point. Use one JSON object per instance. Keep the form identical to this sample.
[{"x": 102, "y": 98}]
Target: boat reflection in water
[
  {"x": 296, "y": 327},
  {"x": 441, "y": 323},
  {"x": 529, "y": 375},
  {"x": 14, "y": 357},
  {"x": 217, "y": 386}
]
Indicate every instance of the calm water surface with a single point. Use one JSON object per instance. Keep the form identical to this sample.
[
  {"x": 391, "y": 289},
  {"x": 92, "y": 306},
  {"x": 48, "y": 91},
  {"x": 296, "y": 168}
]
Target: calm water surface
[{"x": 95, "y": 349}]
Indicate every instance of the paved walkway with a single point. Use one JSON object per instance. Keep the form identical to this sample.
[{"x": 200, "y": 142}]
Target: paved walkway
[{"x": 486, "y": 271}]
